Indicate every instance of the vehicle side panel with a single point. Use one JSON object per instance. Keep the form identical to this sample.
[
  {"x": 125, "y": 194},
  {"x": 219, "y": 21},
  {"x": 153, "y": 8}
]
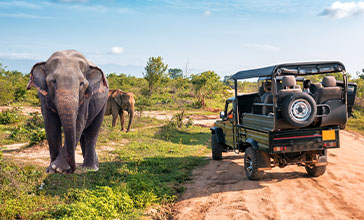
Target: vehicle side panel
[
  {"x": 261, "y": 138},
  {"x": 258, "y": 122}
]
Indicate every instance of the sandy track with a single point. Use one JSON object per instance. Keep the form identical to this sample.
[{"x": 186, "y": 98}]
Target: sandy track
[{"x": 220, "y": 190}]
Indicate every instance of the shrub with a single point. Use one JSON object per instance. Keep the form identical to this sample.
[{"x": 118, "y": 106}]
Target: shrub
[
  {"x": 32, "y": 129},
  {"x": 37, "y": 136},
  {"x": 101, "y": 203},
  {"x": 179, "y": 120},
  {"x": 20, "y": 94},
  {"x": 17, "y": 187},
  {"x": 9, "y": 116}
]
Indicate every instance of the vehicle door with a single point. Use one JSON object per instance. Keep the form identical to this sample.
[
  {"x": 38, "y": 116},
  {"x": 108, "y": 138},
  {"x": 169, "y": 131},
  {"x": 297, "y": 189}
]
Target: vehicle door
[
  {"x": 228, "y": 123},
  {"x": 352, "y": 87}
]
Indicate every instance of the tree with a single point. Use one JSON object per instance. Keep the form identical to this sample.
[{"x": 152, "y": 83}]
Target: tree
[
  {"x": 175, "y": 73},
  {"x": 206, "y": 84},
  {"x": 154, "y": 72}
]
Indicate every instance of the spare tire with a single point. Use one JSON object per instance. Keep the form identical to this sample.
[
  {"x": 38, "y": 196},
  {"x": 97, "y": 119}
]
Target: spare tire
[{"x": 299, "y": 109}]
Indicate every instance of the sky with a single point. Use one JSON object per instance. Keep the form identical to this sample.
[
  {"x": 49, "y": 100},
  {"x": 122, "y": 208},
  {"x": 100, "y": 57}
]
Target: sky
[{"x": 225, "y": 36}]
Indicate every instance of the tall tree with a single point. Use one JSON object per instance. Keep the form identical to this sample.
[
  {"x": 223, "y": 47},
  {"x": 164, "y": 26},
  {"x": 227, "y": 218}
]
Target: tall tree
[
  {"x": 175, "y": 73},
  {"x": 206, "y": 84},
  {"x": 154, "y": 72}
]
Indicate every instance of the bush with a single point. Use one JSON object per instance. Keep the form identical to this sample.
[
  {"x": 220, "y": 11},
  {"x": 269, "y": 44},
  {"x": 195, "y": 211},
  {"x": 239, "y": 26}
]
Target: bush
[
  {"x": 17, "y": 185},
  {"x": 9, "y": 116},
  {"x": 178, "y": 120},
  {"x": 32, "y": 130},
  {"x": 20, "y": 94},
  {"x": 102, "y": 203},
  {"x": 37, "y": 136}
]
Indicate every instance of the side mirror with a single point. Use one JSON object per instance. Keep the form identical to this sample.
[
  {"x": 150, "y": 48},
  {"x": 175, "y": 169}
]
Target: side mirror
[{"x": 222, "y": 115}]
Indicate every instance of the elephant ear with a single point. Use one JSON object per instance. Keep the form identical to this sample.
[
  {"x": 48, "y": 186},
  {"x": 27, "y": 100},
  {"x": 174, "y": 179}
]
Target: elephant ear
[
  {"x": 97, "y": 81},
  {"x": 117, "y": 95},
  {"x": 38, "y": 78}
]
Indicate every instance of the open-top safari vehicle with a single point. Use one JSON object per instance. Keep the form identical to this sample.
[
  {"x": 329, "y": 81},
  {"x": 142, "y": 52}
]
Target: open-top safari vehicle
[{"x": 290, "y": 120}]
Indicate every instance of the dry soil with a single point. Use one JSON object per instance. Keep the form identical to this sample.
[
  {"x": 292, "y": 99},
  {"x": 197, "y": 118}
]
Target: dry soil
[{"x": 220, "y": 190}]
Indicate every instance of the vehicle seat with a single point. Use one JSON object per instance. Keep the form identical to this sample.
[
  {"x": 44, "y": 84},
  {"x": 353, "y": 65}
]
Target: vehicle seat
[
  {"x": 261, "y": 91},
  {"x": 314, "y": 87},
  {"x": 288, "y": 87},
  {"x": 268, "y": 100},
  {"x": 329, "y": 91}
]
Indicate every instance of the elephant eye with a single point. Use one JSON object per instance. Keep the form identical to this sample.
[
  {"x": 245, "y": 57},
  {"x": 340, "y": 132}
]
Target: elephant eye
[
  {"x": 82, "y": 83},
  {"x": 53, "y": 81}
]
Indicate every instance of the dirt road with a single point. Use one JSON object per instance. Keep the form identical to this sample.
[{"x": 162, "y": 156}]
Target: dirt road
[{"x": 221, "y": 190}]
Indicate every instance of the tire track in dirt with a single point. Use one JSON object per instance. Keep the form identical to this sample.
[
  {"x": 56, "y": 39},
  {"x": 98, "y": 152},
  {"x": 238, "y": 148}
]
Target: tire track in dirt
[{"x": 220, "y": 190}]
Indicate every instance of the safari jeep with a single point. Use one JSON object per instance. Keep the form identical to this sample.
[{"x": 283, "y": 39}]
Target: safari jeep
[{"x": 292, "y": 121}]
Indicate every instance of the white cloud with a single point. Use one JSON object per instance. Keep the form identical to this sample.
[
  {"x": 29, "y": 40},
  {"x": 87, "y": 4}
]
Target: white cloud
[
  {"x": 117, "y": 50},
  {"x": 23, "y": 15},
  {"x": 17, "y": 56},
  {"x": 344, "y": 9},
  {"x": 72, "y": 1},
  {"x": 85, "y": 7},
  {"x": 207, "y": 13},
  {"x": 19, "y": 4}
]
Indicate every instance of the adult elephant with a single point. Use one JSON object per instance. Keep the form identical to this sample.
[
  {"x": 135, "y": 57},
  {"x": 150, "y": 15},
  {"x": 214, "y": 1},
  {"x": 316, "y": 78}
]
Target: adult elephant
[
  {"x": 73, "y": 95},
  {"x": 117, "y": 103}
]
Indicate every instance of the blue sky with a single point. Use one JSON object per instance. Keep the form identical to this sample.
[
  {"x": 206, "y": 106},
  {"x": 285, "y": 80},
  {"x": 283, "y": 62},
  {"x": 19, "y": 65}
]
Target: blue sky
[{"x": 225, "y": 35}]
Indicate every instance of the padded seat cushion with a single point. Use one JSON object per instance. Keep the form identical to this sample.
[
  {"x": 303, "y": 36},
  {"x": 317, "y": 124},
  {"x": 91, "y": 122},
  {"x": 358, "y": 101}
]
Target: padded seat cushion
[{"x": 328, "y": 93}]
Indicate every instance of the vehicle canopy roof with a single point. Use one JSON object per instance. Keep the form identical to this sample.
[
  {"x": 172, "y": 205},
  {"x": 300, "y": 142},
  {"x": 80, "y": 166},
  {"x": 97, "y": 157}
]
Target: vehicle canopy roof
[{"x": 303, "y": 68}]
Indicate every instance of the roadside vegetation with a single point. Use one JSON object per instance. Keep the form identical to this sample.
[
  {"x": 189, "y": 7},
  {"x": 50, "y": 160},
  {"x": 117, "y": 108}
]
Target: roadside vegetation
[{"x": 145, "y": 168}]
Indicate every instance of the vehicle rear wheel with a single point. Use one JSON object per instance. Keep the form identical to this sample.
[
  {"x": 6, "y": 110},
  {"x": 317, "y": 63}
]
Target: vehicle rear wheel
[
  {"x": 216, "y": 148},
  {"x": 251, "y": 164},
  {"x": 299, "y": 109},
  {"x": 315, "y": 171}
]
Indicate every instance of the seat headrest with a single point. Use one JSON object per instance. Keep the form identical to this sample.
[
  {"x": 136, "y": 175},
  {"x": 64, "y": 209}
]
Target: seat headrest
[
  {"x": 261, "y": 91},
  {"x": 329, "y": 81},
  {"x": 288, "y": 81}
]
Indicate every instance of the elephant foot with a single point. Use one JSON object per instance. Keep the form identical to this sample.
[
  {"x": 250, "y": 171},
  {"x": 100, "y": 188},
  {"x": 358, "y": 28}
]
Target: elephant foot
[
  {"x": 50, "y": 170},
  {"x": 127, "y": 131},
  {"x": 90, "y": 168},
  {"x": 60, "y": 165},
  {"x": 122, "y": 129}
]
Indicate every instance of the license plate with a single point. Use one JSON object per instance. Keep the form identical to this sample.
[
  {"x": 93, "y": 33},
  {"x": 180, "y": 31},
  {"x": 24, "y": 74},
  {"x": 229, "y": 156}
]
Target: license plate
[{"x": 328, "y": 135}]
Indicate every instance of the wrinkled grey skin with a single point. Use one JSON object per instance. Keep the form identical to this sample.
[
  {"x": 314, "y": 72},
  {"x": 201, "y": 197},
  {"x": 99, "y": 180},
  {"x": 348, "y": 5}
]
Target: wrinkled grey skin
[
  {"x": 73, "y": 95},
  {"x": 117, "y": 103}
]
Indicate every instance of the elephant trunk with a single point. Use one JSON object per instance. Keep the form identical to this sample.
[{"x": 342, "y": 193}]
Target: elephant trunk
[{"x": 67, "y": 106}]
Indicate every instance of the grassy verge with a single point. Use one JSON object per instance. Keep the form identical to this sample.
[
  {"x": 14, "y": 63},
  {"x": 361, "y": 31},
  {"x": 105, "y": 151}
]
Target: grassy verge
[
  {"x": 147, "y": 167},
  {"x": 356, "y": 123}
]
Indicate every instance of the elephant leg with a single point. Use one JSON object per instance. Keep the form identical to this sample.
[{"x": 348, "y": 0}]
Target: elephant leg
[
  {"x": 131, "y": 116},
  {"x": 52, "y": 126},
  {"x": 88, "y": 143},
  {"x": 122, "y": 119},
  {"x": 115, "y": 112}
]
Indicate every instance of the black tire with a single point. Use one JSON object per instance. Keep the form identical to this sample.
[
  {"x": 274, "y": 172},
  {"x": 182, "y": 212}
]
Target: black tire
[
  {"x": 315, "y": 171},
  {"x": 216, "y": 148},
  {"x": 299, "y": 109},
  {"x": 251, "y": 165}
]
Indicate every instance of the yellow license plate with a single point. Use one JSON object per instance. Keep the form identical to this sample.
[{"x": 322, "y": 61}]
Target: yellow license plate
[{"x": 328, "y": 135}]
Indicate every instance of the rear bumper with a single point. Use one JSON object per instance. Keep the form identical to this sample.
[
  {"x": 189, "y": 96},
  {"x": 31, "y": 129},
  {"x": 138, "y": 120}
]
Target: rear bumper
[{"x": 304, "y": 140}]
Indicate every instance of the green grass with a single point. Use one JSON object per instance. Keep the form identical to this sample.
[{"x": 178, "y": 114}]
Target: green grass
[
  {"x": 356, "y": 123},
  {"x": 147, "y": 167}
]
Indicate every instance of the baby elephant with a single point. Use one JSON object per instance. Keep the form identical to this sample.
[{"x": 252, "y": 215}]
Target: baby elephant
[
  {"x": 73, "y": 95},
  {"x": 117, "y": 103}
]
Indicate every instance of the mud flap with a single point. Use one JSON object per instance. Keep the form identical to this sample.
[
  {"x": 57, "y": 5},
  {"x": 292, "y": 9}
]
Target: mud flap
[{"x": 263, "y": 160}]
